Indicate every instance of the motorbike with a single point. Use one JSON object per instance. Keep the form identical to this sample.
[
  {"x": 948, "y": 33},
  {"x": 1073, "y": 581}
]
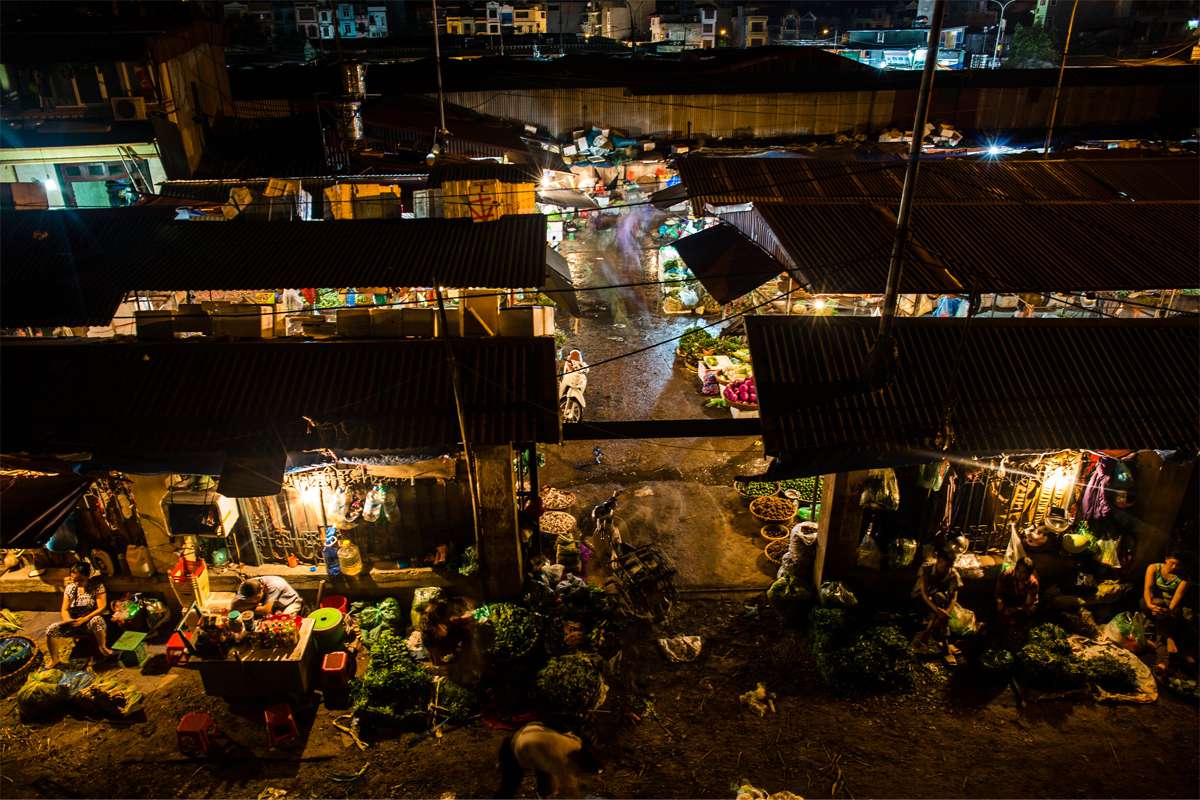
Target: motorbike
[{"x": 571, "y": 387}]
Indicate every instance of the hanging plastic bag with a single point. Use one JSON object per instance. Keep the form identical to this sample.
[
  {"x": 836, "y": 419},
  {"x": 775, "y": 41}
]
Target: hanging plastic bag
[
  {"x": 1128, "y": 630},
  {"x": 1015, "y": 551},
  {"x": 902, "y": 553},
  {"x": 868, "y": 552},
  {"x": 1106, "y": 552},
  {"x": 962, "y": 620},
  {"x": 373, "y": 506},
  {"x": 881, "y": 491},
  {"x": 835, "y": 593},
  {"x": 930, "y": 476},
  {"x": 391, "y": 505}
]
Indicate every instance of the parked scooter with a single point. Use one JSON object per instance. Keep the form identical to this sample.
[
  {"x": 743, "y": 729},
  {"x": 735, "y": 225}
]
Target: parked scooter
[{"x": 571, "y": 387}]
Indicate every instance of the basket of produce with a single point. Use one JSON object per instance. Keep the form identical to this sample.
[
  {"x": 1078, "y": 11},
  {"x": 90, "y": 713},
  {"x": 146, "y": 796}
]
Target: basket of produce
[
  {"x": 556, "y": 499},
  {"x": 775, "y": 549},
  {"x": 698, "y": 342},
  {"x": 508, "y": 630},
  {"x": 556, "y": 522},
  {"x": 773, "y": 509},
  {"x": 742, "y": 394},
  {"x": 19, "y": 656},
  {"x": 749, "y": 490},
  {"x": 775, "y": 530},
  {"x": 807, "y": 489}
]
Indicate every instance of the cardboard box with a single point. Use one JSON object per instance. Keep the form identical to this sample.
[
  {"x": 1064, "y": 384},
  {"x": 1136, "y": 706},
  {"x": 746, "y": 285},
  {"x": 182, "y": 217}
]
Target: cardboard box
[
  {"x": 354, "y": 322},
  {"x": 242, "y": 321}
]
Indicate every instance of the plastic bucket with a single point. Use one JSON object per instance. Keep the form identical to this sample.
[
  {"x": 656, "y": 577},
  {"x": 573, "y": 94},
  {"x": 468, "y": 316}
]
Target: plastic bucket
[
  {"x": 329, "y": 628},
  {"x": 340, "y": 602}
]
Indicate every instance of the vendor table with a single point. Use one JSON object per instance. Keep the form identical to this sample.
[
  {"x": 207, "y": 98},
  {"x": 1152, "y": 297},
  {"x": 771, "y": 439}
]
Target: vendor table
[{"x": 260, "y": 671}]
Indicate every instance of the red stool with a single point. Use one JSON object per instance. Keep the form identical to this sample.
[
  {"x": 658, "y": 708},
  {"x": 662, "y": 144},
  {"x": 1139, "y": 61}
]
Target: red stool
[
  {"x": 334, "y": 669},
  {"x": 194, "y": 731},
  {"x": 281, "y": 725},
  {"x": 177, "y": 652}
]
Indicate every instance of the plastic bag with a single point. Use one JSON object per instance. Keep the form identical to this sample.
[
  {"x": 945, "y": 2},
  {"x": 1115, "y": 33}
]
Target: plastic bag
[
  {"x": 108, "y": 698},
  {"x": 881, "y": 491},
  {"x": 1106, "y": 552},
  {"x": 421, "y": 599},
  {"x": 902, "y": 553},
  {"x": 868, "y": 553},
  {"x": 679, "y": 649},
  {"x": 1127, "y": 629},
  {"x": 76, "y": 681},
  {"x": 1014, "y": 552},
  {"x": 835, "y": 593},
  {"x": 42, "y": 694},
  {"x": 962, "y": 620}
]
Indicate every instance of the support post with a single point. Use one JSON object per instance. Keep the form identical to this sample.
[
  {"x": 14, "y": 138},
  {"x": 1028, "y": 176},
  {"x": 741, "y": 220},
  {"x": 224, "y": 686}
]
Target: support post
[
  {"x": 499, "y": 538},
  {"x": 1062, "y": 67}
]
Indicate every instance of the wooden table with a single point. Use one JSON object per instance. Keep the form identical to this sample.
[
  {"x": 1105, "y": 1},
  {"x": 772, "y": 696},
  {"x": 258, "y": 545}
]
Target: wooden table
[{"x": 262, "y": 671}]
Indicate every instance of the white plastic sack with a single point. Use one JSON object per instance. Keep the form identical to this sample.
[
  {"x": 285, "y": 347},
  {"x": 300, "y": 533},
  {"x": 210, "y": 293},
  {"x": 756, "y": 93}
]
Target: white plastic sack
[
  {"x": 1015, "y": 551},
  {"x": 680, "y": 649}
]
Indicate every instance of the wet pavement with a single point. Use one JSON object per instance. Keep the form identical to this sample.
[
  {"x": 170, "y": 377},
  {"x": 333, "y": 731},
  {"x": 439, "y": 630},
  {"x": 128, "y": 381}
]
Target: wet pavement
[{"x": 618, "y": 323}]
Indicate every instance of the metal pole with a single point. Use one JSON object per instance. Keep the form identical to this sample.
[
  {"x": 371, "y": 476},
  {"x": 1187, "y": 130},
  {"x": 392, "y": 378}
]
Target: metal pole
[
  {"x": 1058, "y": 89},
  {"x": 999, "y": 31},
  {"x": 458, "y": 408},
  {"x": 895, "y": 264},
  {"x": 437, "y": 60}
]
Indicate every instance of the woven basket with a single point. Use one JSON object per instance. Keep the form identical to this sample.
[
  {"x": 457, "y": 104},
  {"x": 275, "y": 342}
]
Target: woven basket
[
  {"x": 14, "y": 679},
  {"x": 774, "y": 531},
  {"x": 563, "y": 504},
  {"x": 775, "y": 549},
  {"x": 762, "y": 518}
]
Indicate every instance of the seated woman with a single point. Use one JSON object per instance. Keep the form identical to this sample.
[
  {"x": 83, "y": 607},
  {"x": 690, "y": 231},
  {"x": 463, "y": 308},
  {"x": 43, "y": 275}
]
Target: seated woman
[
  {"x": 937, "y": 588},
  {"x": 1017, "y": 592},
  {"x": 1162, "y": 593},
  {"x": 83, "y": 605}
]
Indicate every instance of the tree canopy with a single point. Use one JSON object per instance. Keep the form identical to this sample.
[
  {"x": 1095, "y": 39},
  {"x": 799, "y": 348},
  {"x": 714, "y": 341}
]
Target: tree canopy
[{"x": 1031, "y": 47}]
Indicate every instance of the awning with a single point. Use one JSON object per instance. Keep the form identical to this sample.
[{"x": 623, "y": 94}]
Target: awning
[
  {"x": 727, "y": 263},
  {"x": 1020, "y": 385},
  {"x": 559, "y": 282},
  {"x": 567, "y": 198},
  {"x": 669, "y": 197},
  {"x": 35, "y": 497}
]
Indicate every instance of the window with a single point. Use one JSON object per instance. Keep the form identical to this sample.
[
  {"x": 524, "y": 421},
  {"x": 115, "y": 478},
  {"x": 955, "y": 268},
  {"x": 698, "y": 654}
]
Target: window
[
  {"x": 95, "y": 170},
  {"x": 72, "y": 171},
  {"x": 708, "y": 28},
  {"x": 756, "y": 27},
  {"x": 306, "y": 14}
]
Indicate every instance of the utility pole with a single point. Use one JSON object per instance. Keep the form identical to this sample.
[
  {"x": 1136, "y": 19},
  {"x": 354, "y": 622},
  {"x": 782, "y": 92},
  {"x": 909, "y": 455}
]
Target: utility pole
[
  {"x": 440, "y": 138},
  {"x": 879, "y": 361},
  {"x": 1062, "y": 67},
  {"x": 999, "y": 30}
]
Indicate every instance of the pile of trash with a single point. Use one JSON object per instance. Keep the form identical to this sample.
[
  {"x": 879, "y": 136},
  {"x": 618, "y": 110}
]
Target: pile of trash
[
  {"x": 600, "y": 147},
  {"x": 943, "y": 135}
]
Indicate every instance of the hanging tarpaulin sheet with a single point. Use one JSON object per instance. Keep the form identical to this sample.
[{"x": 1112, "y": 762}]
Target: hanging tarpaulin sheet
[
  {"x": 35, "y": 497},
  {"x": 567, "y": 198},
  {"x": 560, "y": 283},
  {"x": 727, "y": 263}
]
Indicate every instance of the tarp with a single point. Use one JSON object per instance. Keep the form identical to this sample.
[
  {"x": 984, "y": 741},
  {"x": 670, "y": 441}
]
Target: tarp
[
  {"x": 567, "y": 198},
  {"x": 726, "y": 262},
  {"x": 35, "y": 497},
  {"x": 560, "y": 283},
  {"x": 669, "y": 197}
]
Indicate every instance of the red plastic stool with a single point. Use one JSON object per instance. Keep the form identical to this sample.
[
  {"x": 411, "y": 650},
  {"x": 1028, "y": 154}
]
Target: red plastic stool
[
  {"x": 177, "y": 652},
  {"x": 194, "y": 731},
  {"x": 281, "y": 725},
  {"x": 334, "y": 669}
]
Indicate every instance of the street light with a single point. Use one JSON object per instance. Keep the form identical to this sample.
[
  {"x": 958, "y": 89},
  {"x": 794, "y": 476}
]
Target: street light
[{"x": 999, "y": 29}]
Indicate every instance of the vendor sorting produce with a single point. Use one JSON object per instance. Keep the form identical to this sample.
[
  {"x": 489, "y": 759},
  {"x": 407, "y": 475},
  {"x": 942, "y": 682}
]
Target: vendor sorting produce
[{"x": 269, "y": 594}]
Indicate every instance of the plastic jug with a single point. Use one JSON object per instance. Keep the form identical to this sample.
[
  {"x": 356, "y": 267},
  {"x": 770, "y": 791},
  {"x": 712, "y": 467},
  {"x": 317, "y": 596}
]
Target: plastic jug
[
  {"x": 349, "y": 558},
  {"x": 332, "y": 565}
]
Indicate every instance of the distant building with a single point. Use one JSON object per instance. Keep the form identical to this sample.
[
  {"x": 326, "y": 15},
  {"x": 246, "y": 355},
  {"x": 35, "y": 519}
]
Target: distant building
[
  {"x": 608, "y": 19},
  {"x": 678, "y": 31},
  {"x": 1123, "y": 27},
  {"x": 495, "y": 19},
  {"x": 905, "y": 49},
  {"x": 101, "y": 126},
  {"x": 750, "y": 27}
]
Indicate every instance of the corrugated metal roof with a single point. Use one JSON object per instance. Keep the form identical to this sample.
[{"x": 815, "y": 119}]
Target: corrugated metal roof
[
  {"x": 730, "y": 181},
  {"x": 727, "y": 263},
  {"x": 1018, "y": 385},
  {"x": 843, "y": 247},
  {"x": 482, "y": 171},
  {"x": 204, "y": 396},
  {"x": 72, "y": 267}
]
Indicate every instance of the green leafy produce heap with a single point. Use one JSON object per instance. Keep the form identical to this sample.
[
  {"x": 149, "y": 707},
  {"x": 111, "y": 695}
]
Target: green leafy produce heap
[
  {"x": 1047, "y": 662},
  {"x": 395, "y": 689},
  {"x": 853, "y": 659},
  {"x": 572, "y": 684},
  {"x": 508, "y": 629}
]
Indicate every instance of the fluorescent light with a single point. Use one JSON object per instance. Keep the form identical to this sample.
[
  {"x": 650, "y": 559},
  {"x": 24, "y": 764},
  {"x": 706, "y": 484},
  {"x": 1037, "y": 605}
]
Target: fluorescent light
[{"x": 50, "y": 184}]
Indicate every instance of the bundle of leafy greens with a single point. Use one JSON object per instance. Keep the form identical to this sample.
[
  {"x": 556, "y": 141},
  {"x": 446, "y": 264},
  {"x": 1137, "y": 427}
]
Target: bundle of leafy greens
[
  {"x": 571, "y": 684},
  {"x": 1047, "y": 662},
  {"x": 997, "y": 661},
  {"x": 395, "y": 689},
  {"x": 456, "y": 702},
  {"x": 509, "y": 630},
  {"x": 853, "y": 659}
]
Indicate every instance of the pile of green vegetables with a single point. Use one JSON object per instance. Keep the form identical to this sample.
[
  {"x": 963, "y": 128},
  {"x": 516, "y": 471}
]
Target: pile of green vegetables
[
  {"x": 997, "y": 661},
  {"x": 374, "y": 620},
  {"x": 790, "y": 596},
  {"x": 571, "y": 684},
  {"x": 508, "y": 630},
  {"x": 395, "y": 689},
  {"x": 1048, "y": 663},
  {"x": 854, "y": 659},
  {"x": 698, "y": 342},
  {"x": 454, "y": 701},
  {"x": 756, "y": 488}
]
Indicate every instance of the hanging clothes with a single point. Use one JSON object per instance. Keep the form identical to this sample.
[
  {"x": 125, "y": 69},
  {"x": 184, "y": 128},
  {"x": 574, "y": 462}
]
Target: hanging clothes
[{"x": 1094, "y": 505}]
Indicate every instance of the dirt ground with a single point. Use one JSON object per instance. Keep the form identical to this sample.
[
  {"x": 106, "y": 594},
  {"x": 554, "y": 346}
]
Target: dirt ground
[{"x": 694, "y": 739}]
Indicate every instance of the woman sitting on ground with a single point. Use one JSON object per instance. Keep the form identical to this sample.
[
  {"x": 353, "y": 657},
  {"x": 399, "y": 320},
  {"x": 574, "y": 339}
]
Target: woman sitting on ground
[
  {"x": 1162, "y": 593},
  {"x": 83, "y": 605},
  {"x": 1017, "y": 592}
]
